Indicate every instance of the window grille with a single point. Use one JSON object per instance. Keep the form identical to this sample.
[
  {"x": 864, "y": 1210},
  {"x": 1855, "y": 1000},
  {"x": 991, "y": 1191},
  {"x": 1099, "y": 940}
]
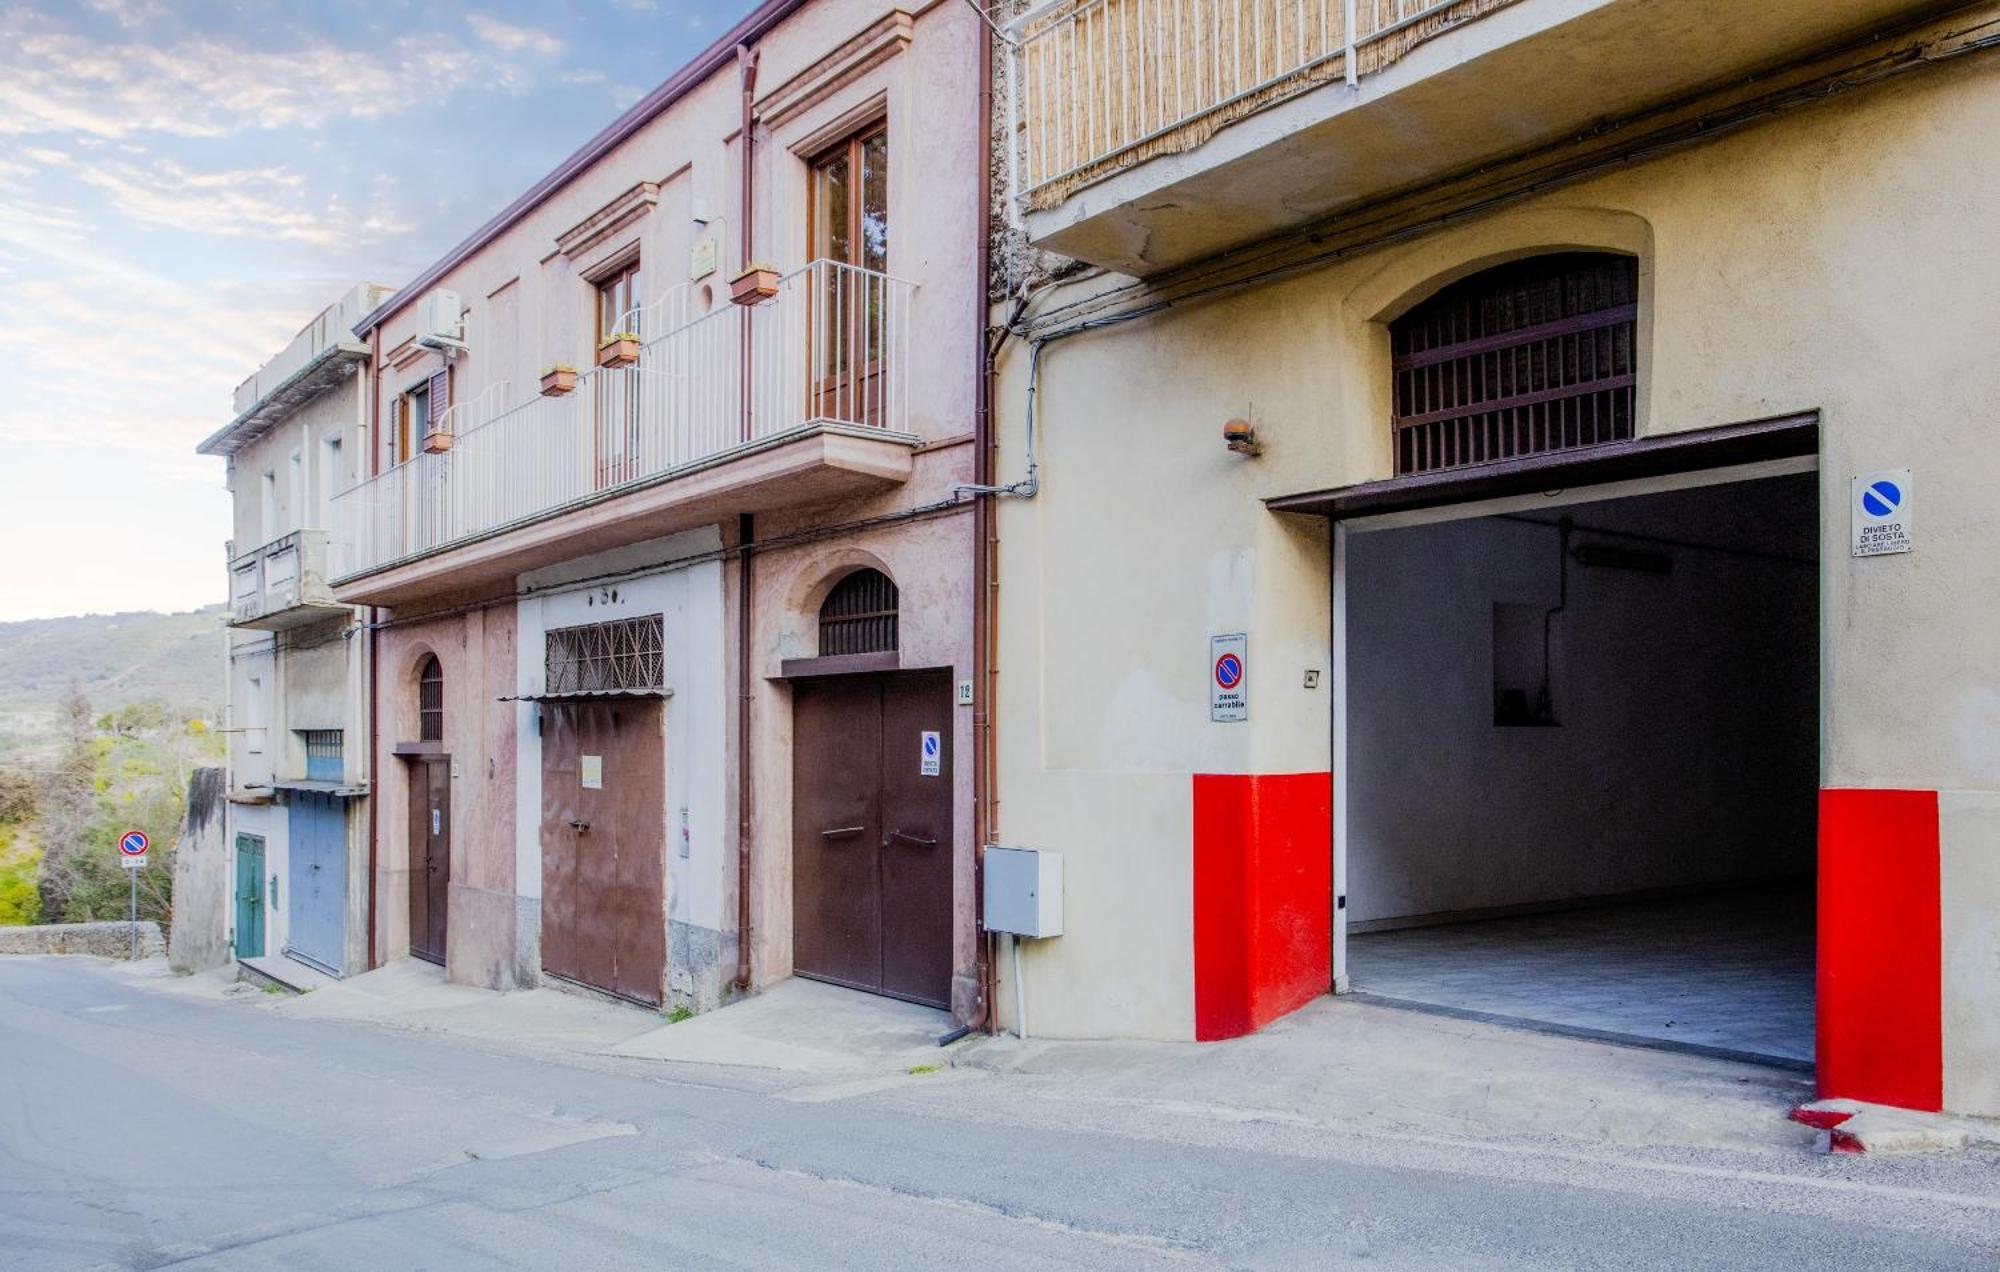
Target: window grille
[
  {"x": 430, "y": 701},
  {"x": 1529, "y": 358},
  {"x": 622, "y": 656},
  {"x": 323, "y": 754},
  {"x": 859, "y": 615}
]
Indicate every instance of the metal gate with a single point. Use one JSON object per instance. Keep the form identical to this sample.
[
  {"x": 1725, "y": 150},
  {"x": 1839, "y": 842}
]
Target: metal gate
[
  {"x": 872, "y": 834},
  {"x": 249, "y": 896},
  {"x": 317, "y": 932},
  {"x": 430, "y": 856},
  {"x": 604, "y": 921}
]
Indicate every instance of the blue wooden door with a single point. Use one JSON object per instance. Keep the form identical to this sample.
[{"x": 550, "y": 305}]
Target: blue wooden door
[
  {"x": 317, "y": 930},
  {"x": 249, "y": 896}
]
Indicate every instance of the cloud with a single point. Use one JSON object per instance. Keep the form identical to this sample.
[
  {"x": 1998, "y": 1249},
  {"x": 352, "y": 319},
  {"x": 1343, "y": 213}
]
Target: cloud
[
  {"x": 265, "y": 203},
  {"x": 514, "y": 39},
  {"x": 53, "y": 81}
]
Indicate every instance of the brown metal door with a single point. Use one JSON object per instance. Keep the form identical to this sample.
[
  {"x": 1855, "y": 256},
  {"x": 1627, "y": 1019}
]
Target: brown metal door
[
  {"x": 837, "y": 831},
  {"x": 871, "y": 835},
  {"x": 603, "y": 846},
  {"x": 916, "y": 838},
  {"x": 430, "y": 856}
]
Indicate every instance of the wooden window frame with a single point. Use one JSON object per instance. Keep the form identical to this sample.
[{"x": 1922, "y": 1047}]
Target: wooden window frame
[{"x": 852, "y": 392}]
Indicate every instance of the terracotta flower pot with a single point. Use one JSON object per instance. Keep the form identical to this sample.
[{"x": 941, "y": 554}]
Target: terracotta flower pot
[
  {"x": 619, "y": 351},
  {"x": 437, "y": 442},
  {"x": 753, "y": 286},
  {"x": 557, "y": 382}
]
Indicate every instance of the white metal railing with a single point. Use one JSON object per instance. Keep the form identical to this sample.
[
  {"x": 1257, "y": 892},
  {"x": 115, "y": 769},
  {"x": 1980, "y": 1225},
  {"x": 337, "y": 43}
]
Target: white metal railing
[
  {"x": 1096, "y": 78},
  {"x": 831, "y": 347}
]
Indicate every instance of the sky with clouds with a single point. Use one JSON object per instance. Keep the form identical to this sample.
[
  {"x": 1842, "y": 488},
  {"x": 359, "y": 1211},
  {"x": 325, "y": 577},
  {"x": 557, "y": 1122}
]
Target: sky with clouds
[{"x": 183, "y": 185}]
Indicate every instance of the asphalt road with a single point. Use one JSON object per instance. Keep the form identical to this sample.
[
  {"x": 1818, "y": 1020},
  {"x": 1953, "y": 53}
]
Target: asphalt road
[{"x": 140, "y": 1129}]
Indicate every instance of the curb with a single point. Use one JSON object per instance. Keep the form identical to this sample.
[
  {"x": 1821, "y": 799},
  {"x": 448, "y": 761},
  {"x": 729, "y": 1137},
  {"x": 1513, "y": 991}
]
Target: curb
[{"x": 1850, "y": 1126}]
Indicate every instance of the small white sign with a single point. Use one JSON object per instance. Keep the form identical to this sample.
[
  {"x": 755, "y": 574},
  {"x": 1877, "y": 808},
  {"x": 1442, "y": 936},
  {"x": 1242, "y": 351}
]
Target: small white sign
[
  {"x": 1229, "y": 677},
  {"x": 437, "y": 821},
  {"x": 132, "y": 863},
  {"x": 1880, "y": 512},
  {"x": 593, "y": 772},
  {"x": 701, "y": 261},
  {"x": 965, "y": 693},
  {"x": 930, "y": 761}
]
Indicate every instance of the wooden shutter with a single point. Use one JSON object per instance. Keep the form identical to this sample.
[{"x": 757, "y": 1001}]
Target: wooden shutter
[{"x": 439, "y": 399}]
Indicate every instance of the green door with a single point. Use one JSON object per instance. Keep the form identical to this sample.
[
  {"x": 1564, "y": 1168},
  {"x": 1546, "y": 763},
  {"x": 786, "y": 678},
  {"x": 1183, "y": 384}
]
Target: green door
[{"x": 249, "y": 896}]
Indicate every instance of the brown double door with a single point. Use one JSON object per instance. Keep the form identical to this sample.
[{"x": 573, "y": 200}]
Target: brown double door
[
  {"x": 871, "y": 833},
  {"x": 603, "y": 846},
  {"x": 430, "y": 855}
]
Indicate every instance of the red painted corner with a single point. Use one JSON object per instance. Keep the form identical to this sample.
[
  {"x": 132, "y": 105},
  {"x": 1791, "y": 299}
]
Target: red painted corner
[
  {"x": 1263, "y": 898},
  {"x": 1881, "y": 1035}
]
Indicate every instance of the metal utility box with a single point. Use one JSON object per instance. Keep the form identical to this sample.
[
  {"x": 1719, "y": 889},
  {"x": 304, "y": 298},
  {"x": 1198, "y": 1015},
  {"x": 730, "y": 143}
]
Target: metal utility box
[{"x": 1023, "y": 891}]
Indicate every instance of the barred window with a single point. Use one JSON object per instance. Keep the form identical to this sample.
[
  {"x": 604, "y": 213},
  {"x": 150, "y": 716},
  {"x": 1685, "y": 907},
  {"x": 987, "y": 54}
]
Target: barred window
[
  {"x": 323, "y": 754},
  {"x": 430, "y": 701},
  {"x": 625, "y": 655},
  {"x": 1528, "y": 358},
  {"x": 859, "y": 615}
]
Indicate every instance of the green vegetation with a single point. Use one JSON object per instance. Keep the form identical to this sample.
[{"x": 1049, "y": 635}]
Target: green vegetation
[
  {"x": 72, "y": 780},
  {"x": 60, "y": 823},
  {"x": 678, "y": 1014},
  {"x": 921, "y": 1069}
]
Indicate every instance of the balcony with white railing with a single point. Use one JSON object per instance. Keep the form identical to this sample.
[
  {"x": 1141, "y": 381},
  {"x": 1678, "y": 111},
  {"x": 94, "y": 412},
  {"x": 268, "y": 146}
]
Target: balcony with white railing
[
  {"x": 1151, "y": 133},
  {"x": 800, "y": 399}
]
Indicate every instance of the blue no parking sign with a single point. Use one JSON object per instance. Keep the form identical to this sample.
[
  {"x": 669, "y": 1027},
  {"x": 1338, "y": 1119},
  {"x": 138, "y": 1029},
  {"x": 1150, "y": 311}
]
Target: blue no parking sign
[
  {"x": 132, "y": 846},
  {"x": 1228, "y": 677},
  {"x": 1879, "y": 513}
]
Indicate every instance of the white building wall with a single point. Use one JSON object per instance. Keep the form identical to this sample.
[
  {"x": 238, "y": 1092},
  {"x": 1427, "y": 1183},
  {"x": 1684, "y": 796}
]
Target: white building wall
[{"x": 700, "y": 887}]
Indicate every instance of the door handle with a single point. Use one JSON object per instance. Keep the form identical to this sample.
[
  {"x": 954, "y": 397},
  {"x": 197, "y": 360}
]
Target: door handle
[
  {"x": 908, "y": 838},
  {"x": 844, "y": 832}
]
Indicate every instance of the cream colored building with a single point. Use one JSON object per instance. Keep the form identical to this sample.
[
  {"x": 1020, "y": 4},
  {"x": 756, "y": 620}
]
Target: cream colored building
[
  {"x": 1576, "y": 340},
  {"x": 297, "y": 816}
]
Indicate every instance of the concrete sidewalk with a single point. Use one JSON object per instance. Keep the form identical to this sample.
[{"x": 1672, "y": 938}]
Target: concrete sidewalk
[{"x": 1336, "y": 1063}]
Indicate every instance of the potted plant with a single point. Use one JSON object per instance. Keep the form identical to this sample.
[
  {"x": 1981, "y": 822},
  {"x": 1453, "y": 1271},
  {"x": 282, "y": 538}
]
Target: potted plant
[
  {"x": 756, "y": 284},
  {"x": 437, "y": 441},
  {"x": 558, "y": 380},
  {"x": 619, "y": 349}
]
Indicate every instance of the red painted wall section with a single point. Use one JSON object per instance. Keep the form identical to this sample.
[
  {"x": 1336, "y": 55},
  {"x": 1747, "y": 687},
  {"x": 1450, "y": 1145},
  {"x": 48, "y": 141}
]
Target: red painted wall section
[
  {"x": 1880, "y": 959},
  {"x": 1263, "y": 898}
]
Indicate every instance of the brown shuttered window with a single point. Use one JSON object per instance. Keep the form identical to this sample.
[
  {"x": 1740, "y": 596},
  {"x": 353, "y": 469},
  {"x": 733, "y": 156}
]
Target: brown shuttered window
[
  {"x": 626, "y": 655},
  {"x": 430, "y": 701},
  {"x": 859, "y": 616},
  {"x": 1528, "y": 358}
]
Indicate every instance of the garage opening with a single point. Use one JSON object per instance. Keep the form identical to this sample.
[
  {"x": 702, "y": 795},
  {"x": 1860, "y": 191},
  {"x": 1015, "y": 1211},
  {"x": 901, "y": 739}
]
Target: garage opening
[{"x": 1582, "y": 766}]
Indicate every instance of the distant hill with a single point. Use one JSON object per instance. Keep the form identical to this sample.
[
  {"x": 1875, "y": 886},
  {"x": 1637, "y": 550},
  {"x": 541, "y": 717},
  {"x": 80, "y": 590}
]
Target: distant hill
[{"x": 115, "y": 659}]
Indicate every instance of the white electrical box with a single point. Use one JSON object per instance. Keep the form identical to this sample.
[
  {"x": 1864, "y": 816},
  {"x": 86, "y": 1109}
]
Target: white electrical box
[
  {"x": 1023, "y": 891},
  {"x": 438, "y": 316}
]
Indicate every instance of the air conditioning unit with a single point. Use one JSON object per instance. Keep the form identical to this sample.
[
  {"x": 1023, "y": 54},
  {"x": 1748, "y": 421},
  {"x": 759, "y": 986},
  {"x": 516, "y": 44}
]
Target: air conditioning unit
[{"x": 439, "y": 321}]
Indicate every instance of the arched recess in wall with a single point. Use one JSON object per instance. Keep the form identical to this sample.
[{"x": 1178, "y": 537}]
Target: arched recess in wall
[{"x": 1409, "y": 277}]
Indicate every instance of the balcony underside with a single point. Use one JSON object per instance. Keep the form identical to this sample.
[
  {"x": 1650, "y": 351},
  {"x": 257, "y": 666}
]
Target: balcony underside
[
  {"x": 287, "y": 617},
  {"x": 1524, "y": 76},
  {"x": 812, "y": 465}
]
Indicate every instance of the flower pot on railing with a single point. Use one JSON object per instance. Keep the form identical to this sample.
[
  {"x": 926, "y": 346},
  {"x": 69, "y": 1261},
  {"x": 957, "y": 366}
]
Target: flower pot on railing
[
  {"x": 558, "y": 380},
  {"x": 437, "y": 441},
  {"x": 620, "y": 349},
  {"x": 756, "y": 284}
]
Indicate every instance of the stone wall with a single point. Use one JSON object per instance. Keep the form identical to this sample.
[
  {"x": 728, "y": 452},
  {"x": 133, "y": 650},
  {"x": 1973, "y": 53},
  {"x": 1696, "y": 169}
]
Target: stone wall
[
  {"x": 111, "y": 939},
  {"x": 200, "y": 936}
]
